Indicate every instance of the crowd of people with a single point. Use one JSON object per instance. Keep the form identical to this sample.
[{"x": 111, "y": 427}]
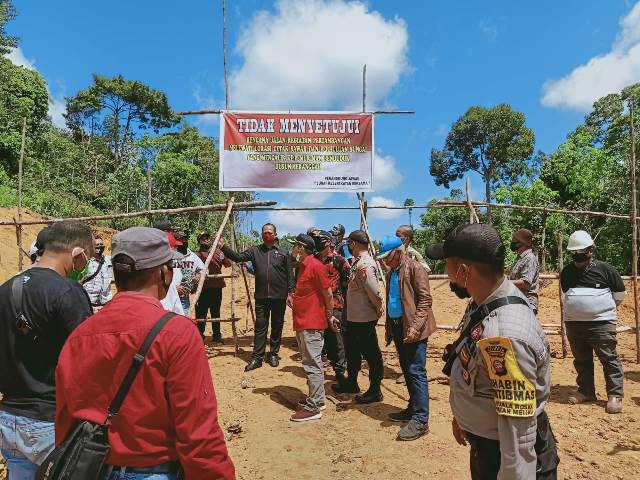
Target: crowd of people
[{"x": 66, "y": 342}]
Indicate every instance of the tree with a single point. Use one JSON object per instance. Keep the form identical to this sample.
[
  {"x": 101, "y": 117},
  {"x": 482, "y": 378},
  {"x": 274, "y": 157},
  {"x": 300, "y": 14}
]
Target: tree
[
  {"x": 7, "y": 13},
  {"x": 494, "y": 142},
  {"x": 408, "y": 202},
  {"x": 115, "y": 107}
]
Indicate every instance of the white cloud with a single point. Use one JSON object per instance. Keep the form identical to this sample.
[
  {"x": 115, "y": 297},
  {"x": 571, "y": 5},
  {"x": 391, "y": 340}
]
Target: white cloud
[
  {"x": 488, "y": 28},
  {"x": 57, "y": 105},
  {"x": 17, "y": 58},
  {"x": 381, "y": 213},
  {"x": 291, "y": 221},
  {"x": 206, "y": 101},
  {"x": 312, "y": 199},
  {"x": 386, "y": 176},
  {"x": 602, "y": 74},
  {"x": 309, "y": 54}
]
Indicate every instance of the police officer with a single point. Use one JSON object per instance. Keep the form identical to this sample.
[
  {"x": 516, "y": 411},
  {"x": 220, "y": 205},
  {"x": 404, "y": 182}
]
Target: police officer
[{"x": 499, "y": 366}]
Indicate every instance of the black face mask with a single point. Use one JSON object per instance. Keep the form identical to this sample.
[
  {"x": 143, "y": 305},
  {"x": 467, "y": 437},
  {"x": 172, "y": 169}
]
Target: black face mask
[
  {"x": 460, "y": 292},
  {"x": 514, "y": 246},
  {"x": 205, "y": 248},
  {"x": 99, "y": 250},
  {"x": 580, "y": 257}
]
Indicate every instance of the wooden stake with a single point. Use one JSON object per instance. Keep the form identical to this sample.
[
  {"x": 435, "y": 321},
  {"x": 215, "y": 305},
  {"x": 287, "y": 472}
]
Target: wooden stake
[
  {"x": 246, "y": 287},
  {"x": 473, "y": 216},
  {"x": 233, "y": 282},
  {"x": 563, "y": 330},
  {"x": 224, "y": 54},
  {"x": 634, "y": 227},
  {"x": 20, "y": 170}
]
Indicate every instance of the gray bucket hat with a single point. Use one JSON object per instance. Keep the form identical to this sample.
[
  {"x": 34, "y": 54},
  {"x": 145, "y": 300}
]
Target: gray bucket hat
[{"x": 147, "y": 247}]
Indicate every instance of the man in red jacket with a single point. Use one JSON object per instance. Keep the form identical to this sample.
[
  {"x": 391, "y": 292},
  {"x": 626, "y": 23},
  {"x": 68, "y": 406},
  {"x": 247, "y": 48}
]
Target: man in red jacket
[
  {"x": 312, "y": 308},
  {"x": 168, "y": 422}
]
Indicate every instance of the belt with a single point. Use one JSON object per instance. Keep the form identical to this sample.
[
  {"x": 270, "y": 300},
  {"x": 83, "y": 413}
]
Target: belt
[{"x": 166, "y": 467}]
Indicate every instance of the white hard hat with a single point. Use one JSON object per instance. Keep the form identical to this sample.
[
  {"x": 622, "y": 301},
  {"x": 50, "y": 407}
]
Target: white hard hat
[{"x": 579, "y": 240}]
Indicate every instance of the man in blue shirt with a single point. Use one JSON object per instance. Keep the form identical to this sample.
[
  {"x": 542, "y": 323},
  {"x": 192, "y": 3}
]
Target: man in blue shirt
[{"x": 409, "y": 323}]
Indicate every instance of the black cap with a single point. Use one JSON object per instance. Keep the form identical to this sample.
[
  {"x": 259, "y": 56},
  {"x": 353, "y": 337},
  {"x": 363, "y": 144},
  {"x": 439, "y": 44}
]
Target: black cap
[
  {"x": 306, "y": 241},
  {"x": 359, "y": 236},
  {"x": 477, "y": 242},
  {"x": 320, "y": 237},
  {"x": 164, "y": 225},
  {"x": 338, "y": 229}
]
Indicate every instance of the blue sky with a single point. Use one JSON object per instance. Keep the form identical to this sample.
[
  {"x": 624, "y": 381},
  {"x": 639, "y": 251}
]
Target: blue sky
[{"x": 548, "y": 59}]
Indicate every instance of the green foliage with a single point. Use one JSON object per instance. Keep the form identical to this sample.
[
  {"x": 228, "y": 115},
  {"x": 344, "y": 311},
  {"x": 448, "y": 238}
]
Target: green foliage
[
  {"x": 494, "y": 142},
  {"x": 23, "y": 94},
  {"x": 7, "y": 13}
]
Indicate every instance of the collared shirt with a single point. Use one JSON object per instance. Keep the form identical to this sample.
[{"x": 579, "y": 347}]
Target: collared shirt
[
  {"x": 479, "y": 402},
  {"x": 394, "y": 304},
  {"x": 338, "y": 270},
  {"x": 170, "y": 412},
  {"x": 99, "y": 287},
  {"x": 363, "y": 294},
  {"x": 309, "y": 312},
  {"x": 526, "y": 268}
]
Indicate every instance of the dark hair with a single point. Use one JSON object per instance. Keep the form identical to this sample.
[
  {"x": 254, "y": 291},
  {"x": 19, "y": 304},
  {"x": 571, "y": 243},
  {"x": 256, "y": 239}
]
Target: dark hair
[
  {"x": 269, "y": 225},
  {"x": 97, "y": 237},
  {"x": 133, "y": 280},
  {"x": 41, "y": 240},
  {"x": 203, "y": 235},
  {"x": 66, "y": 235}
]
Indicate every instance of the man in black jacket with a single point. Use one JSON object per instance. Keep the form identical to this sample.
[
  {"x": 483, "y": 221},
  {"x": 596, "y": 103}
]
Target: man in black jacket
[{"x": 274, "y": 281}]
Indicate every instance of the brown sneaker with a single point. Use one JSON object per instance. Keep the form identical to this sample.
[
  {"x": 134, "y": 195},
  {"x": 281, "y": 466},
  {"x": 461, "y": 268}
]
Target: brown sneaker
[
  {"x": 614, "y": 405},
  {"x": 305, "y": 415},
  {"x": 579, "y": 397}
]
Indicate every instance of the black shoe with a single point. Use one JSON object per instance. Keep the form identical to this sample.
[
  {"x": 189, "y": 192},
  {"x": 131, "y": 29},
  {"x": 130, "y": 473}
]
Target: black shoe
[
  {"x": 401, "y": 416},
  {"x": 348, "y": 386},
  {"x": 413, "y": 430},
  {"x": 272, "y": 359},
  {"x": 253, "y": 364},
  {"x": 217, "y": 339},
  {"x": 369, "y": 397}
]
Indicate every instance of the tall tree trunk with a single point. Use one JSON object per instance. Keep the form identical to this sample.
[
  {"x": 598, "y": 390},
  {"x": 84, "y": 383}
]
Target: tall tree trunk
[{"x": 487, "y": 196}]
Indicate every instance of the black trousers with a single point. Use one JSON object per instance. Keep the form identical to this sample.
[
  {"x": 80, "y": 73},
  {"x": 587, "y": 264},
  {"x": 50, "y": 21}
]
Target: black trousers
[
  {"x": 210, "y": 301},
  {"x": 587, "y": 338},
  {"x": 266, "y": 308},
  {"x": 334, "y": 345},
  {"x": 361, "y": 341},
  {"x": 485, "y": 454}
]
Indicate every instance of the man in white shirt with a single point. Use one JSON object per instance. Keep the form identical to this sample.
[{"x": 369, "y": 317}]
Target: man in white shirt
[
  {"x": 99, "y": 276},
  {"x": 190, "y": 265}
]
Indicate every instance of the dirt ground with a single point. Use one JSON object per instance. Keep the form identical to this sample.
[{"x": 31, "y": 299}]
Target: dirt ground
[{"x": 354, "y": 442}]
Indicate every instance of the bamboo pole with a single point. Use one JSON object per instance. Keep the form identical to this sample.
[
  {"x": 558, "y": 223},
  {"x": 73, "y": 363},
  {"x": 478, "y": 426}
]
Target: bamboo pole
[
  {"x": 149, "y": 198},
  {"x": 144, "y": 213},
  {"x": 246, "y": 287},
  {"x": 364, "y": 88},
  {"x": 376, "y": 112},
  {"x": 20, "y": 171},
  {"x": 210, "y": 256},
  {"x": 563, "y": 330},
  {"x": 224, "y": 55},
  {"x": 634, "y": 227},
  {"x": 232, "y": 223},
  {"x": 473, "y": 216}
]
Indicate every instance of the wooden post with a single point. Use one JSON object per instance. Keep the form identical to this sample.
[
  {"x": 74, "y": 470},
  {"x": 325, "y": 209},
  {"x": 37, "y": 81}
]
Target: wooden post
[
  {"x": 364, "y": 88},
  {"x": 246, "y": 286},
  {"x": 149, "y": 199},
  {"x": 563, "y": 331},
  {"x": 233, "y": 282},
  {"x": 473, "y": 216},
  {"x": 20, "y": 170},
  {"x": 634, "y": 227},
  {"x": 224, "y": 54}
]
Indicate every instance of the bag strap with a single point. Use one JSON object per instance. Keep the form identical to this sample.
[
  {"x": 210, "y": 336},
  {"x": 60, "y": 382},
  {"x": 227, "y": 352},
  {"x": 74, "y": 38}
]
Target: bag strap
[
  {"x": 94, "y": 274},
  {"x": 136, "y": 363}
]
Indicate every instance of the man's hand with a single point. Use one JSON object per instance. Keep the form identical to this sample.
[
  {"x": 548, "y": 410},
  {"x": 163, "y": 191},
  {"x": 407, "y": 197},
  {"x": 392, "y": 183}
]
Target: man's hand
[
  {"x": 412, "y": 335},
  {"x": 380, "y": 310},
  {"x": 458, "y": 433},
  {"x": 183, "y": 291},
  {"x": 220, "y": 243},
  {"x": 334, "y": 323},
  {"x": 290, "y": 299}
]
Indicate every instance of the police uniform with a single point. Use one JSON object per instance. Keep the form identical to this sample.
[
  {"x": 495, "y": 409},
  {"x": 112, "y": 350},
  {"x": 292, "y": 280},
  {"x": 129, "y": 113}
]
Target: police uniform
[{"x": 500, "y": 382}]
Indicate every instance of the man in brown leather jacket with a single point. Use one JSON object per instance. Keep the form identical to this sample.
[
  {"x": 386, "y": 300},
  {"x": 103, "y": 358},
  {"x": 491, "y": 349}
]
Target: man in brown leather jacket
[{"x": 409, "y": 323}]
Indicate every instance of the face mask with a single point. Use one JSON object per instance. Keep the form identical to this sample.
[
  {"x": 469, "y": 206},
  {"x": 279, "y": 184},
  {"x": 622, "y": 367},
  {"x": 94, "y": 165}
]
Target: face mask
[
  {"x": 580, "y": 257},
  {"x": 460, "y": 292},
  {"x": 268, "y": 238},
  {"x": 514, "y": 246},
  {"x": 100, "y": 250},
  {"x": 78, "y": 275}
]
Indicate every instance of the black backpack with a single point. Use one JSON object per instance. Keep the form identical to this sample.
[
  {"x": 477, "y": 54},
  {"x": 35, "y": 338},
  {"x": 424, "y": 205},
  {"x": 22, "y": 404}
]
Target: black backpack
[{"x": 82, "y": 454}]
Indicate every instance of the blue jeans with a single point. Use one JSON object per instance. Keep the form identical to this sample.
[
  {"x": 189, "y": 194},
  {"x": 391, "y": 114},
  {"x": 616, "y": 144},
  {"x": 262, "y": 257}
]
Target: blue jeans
[
  {"x": 413, "y": 358},
  {"x": 117, "y": 475},
  {"x": 186, "y": 304},
  {"x": 24, "y": 444}
]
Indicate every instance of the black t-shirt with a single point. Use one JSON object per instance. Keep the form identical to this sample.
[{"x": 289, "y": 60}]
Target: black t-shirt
[
  {"x": 56, "y": 305},
  {"x": 596, "y": 275}
]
